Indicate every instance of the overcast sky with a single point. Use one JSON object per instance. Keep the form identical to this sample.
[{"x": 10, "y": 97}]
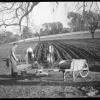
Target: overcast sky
[{"x": 43, "y": 13}]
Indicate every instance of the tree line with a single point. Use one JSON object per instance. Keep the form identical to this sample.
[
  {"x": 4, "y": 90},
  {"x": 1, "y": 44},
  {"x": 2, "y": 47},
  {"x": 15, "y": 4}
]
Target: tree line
[
  {"x": 87, "y": 21},
  {"x": 78, "y": 22}
]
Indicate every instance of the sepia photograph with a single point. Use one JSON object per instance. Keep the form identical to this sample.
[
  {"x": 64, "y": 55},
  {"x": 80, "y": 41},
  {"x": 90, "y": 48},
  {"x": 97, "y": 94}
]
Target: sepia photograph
[{"x": 50, "y": 49}]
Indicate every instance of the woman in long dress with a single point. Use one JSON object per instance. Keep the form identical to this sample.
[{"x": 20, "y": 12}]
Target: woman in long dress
[{"x": 14, "y": 60}]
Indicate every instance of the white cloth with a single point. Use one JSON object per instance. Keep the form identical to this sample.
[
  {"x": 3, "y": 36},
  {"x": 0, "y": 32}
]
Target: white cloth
[
  {"x": 23, "y": 67},
  {"x": 51, "y": 49},
  {"x": 14, "y": 52},
  {"x": 29, "y": 50},
  {"x": 77, "y": 64},
  {"x": 62, "y": 61},
  {"x": 41, "y": 73},
  {"x": 50, "y": 58}
]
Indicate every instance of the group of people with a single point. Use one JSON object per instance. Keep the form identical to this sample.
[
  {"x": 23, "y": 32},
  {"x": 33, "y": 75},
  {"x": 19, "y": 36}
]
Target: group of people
[
  {"x": 29, "y": 57},
  {"x": 73, "y": 65}
]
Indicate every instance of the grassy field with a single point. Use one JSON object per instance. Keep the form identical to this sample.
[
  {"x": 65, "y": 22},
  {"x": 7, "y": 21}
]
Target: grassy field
[
  {"x": 52, "y": 86},
  {"x": 68, "y": 36}
]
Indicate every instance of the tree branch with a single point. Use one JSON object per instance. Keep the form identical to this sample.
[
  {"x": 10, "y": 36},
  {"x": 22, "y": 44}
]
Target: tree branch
[
  {"x": 18, "y": 11},
  {"x": 90, "y": 6},
  {"x": 97, "y": 6},
  {"x": 27, "y": 12},
  {"x": 8, "y": 8},
  {"x": 76, "y": 6},
  {"x": 9, "y": 24}
]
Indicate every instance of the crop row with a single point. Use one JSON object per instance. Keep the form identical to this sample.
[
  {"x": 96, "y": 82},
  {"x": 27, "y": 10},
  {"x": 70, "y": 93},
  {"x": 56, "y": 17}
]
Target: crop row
[{"x": 62, "y": 50}]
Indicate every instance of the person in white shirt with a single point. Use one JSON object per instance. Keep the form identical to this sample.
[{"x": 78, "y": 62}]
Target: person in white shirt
[{"x": 29, "y": 56}]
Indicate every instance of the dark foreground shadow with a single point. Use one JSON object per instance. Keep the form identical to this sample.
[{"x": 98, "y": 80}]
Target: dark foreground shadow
[
  {"x": 33, "y": 80},
  {"x": 5, "y": 76},
  {"x": 29, "y": 79},
  {"x": 15, "y": 82},
  {"x": 19, "y": 77},
  {"x": 95, "y": 68}
]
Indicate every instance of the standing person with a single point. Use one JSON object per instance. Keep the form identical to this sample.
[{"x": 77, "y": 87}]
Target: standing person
[
  {"x": 14, "y": 60},
  {"x": 50, "y": 56},
  {"x": 29, "y": 56}
]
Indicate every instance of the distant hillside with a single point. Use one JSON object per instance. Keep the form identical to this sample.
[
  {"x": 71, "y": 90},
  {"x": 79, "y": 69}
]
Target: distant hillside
[{"x": 72, "y": 35}]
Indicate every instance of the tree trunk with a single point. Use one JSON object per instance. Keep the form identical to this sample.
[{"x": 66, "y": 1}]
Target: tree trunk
[
  {"x": 39, "y": 37},
  {"x": 92, "y": 35}
]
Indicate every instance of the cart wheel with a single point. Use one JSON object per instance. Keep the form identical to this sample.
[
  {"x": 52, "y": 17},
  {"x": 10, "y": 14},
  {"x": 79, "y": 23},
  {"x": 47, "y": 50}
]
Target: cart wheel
[
  {"x": 75, "y": 75},
  {"x": 68, "y": 74},
  {"x": 85, "y": 71}
]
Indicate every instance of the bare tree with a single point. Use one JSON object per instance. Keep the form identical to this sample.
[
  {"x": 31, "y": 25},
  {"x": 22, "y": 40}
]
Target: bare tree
[
  {"x": 93, "y": 19},
  {"x": 86, "y": 6},
  {"x": 15, "y": 12},
  {"x": 93, "y": 25}
]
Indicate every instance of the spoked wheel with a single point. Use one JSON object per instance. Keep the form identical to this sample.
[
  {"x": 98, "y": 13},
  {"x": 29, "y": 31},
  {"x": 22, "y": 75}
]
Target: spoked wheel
[
  {"x": 68, "y": 74},
  {"x": 85, "y": 71},
  {"x": 75, "y": 75}
]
